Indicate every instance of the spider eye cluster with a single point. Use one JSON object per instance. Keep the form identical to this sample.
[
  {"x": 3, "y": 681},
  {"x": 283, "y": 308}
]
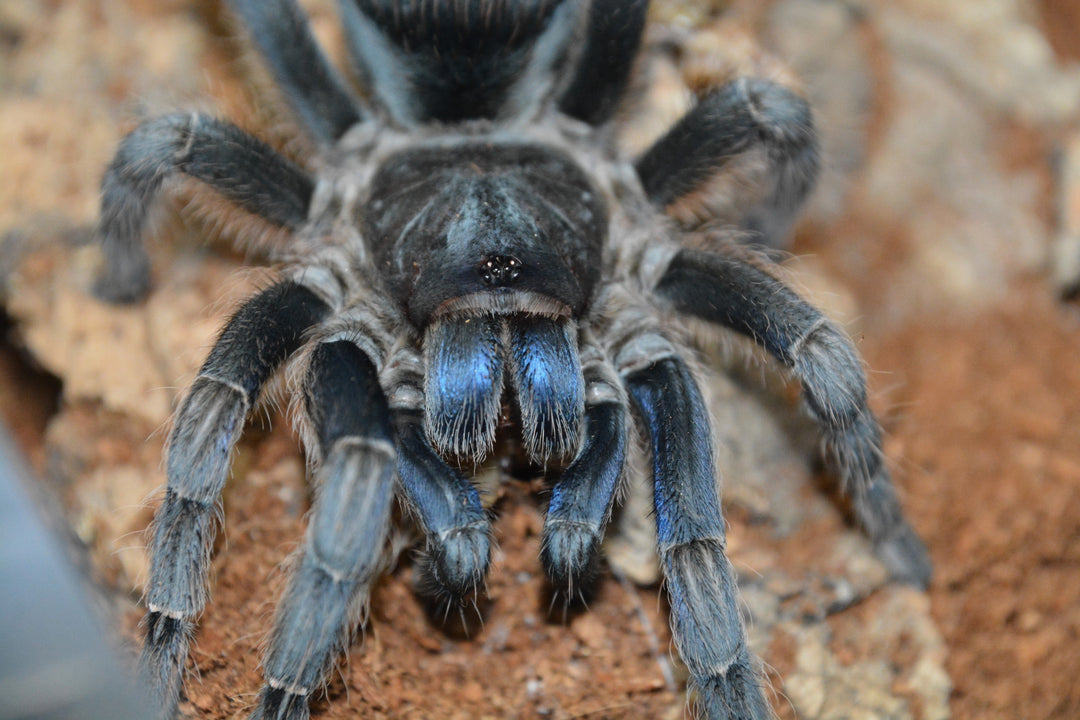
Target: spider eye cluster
[{"x": 499, "y": 270}]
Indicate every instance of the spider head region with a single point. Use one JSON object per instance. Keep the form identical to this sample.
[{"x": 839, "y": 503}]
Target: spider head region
[{"x": 491, "y": 227}]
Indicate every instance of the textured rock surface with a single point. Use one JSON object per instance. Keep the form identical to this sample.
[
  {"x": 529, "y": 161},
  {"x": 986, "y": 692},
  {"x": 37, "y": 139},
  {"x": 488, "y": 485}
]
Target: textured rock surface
[{"x": 936, "y": 122}]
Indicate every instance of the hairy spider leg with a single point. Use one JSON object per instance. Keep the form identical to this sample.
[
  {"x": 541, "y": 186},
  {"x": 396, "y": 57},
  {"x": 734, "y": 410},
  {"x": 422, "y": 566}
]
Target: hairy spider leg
[
  {"x": 463, "y": 386},
  {"x": 546, "y": 379},
  {"x": 376, "y": 62},
  {"x": 614, "y": 34},
  {"x": 313, "y": 88},
  {"x": 258, "y": 338},
  {"x": 731, "y": 120},
  {"x": 447, "y": 506},
  {"x": 705, "y": 620},
  {"x": 444, "y": 503},
  {"x": 583, "y": 497},
  {"x": 729, "y": 291},
  {"x": 344, "y": 549},
  {"x": 243, "y": 169}
]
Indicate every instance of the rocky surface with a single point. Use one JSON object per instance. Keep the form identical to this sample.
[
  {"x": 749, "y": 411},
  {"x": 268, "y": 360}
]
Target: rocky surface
[{"x": 936, "y": 216}]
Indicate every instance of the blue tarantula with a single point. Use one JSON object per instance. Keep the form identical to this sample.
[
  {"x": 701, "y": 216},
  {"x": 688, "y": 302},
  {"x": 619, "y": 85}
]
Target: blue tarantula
[{"x": 468, "y": 238}]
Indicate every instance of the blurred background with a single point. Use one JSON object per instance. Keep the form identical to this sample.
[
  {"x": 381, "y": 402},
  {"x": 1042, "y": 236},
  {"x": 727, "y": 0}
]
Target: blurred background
[{"x": 944, "y": 235}]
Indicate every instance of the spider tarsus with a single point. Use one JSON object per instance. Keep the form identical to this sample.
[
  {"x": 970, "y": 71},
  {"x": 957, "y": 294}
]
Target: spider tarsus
[
  {"x": 733, "y": 695},
  {"x": 570, "y": 553},
  {"x": 459, "y": 616},
  {"x": 906, "y": 557},
  {"x": 124, "y": 279},
  {"x": 456, "y": 562},
  {"x": 161, "y": 664},
  {"x": 125, "y": 276},
  {"x": 277, "y": 703}
]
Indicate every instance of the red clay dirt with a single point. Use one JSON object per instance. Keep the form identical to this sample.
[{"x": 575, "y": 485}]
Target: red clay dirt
[{"x": 983, "y": 419}]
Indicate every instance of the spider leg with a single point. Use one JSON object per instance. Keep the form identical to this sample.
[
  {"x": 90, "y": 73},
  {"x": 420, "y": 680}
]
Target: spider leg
[
  {"x": 446, "y": 504},
  {"x": 738, "y": 117},
  {"x": 312, "y": 86},
  {"x": 731, "y": 292},
  {"x": 382, "y": 68},
  {"x": 345, "y": 544},
  {"x": 448, "y": 507},
  {"x": 612, "y": 41},
  {"x": 464, "y": 358},
  {"x": 705, "y": 620},
  {"x": 255, "y": 341},
  {"x": 582, "y": 499},
  {"x": 240, "y": 167},
  {"x": 548, "y": 384}
]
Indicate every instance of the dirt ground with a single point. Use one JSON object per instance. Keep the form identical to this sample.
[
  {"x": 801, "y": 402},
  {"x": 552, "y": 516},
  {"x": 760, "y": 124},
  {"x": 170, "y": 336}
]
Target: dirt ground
[
  {"x": 992, "y": 410},
  {"x": 981, "y": 406}
]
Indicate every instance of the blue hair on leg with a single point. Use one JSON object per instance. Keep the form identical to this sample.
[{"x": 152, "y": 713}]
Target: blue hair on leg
[
  {"x": 550, "y": 388},
  {"x": 581, "y": 501},
  {"x": 448, "y": 507},
  {"x": 705, "y": 619},
  {"x": 463, "y": 386}
]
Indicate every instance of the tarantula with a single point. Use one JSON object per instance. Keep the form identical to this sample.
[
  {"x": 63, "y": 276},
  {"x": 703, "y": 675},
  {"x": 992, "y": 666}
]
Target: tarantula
[{"x": 467, "y": 238}]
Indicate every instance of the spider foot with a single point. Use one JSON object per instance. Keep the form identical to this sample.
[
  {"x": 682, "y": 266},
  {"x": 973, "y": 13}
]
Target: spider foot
[
  {"x": 571, "y": 555},
  {"x": 124, "y": 279},
  {"x": 732, "y": 695},
  {"x": 906, "y": 557},
  {"x": 277, "y": 703},
  {"x": 162, "y": 662},
  {"x": 457, "y": 561}
]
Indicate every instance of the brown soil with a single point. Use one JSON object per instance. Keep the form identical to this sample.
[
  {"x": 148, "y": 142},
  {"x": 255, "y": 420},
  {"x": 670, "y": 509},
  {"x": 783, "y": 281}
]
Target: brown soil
[
  {"x": 984, "y": 422},
  {"x": 989, "y": 428},
  {"x": 1061, "y": 21}
]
